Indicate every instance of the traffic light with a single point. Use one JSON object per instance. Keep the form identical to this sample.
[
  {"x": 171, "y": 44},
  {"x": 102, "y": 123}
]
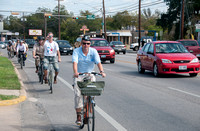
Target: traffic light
[
  {"x": 47, "y": 15},
  {"x": 76, "y": 18}
]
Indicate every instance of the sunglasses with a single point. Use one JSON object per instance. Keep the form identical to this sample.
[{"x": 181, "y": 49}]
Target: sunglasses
[{"x": 86, "y": 43}]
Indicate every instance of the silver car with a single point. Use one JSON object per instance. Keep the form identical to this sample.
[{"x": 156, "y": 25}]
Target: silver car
[
  {"x": 2, "y": 45},
  {"x": 118, "y": 46}
]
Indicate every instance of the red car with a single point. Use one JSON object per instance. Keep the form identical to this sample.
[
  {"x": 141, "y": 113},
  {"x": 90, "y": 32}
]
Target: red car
[
  {"x": 103, "y": 48},
  {"x": 167, "y": 57},
  {"x": 192, "y": 46}
]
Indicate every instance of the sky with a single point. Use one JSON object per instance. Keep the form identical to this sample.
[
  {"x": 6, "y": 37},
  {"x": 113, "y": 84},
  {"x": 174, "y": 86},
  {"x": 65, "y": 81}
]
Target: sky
[{"x": 75, "y": 6}]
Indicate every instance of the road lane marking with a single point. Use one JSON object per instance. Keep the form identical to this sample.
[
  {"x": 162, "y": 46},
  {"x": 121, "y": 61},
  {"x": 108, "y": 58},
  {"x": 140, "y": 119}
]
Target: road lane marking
[
  {"x": 184, "y": 92},
  {"x": 112, "y": 121}
]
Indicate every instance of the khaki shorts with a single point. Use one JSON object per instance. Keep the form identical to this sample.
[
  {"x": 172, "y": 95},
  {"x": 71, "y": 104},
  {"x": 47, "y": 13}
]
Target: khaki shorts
[{"x": 78, "y": 101}]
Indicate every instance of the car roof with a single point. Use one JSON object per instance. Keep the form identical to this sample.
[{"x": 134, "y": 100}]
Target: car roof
[{"x": 157, "y": 42}]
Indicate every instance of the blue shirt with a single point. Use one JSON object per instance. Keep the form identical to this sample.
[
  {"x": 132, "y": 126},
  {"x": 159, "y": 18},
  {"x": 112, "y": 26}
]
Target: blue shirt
[{"x": 85, "y": 63}]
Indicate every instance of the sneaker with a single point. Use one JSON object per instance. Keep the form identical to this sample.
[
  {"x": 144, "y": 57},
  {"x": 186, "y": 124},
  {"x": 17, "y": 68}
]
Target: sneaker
[{"x": 78, "y": 121}]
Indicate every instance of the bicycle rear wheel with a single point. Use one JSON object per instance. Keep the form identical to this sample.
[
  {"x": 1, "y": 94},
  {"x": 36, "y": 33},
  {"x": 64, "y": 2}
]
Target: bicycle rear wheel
[
  {"x": 41, "y": 73},
  {"x": 91, "y": 116},
  {"x": 21, "y": 61}
]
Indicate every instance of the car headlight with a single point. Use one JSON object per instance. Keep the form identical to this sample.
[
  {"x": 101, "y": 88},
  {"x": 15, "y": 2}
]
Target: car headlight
[
  {"x": 195, "y": 60},
  {"x": 111, "y": 51},
  {"x": 166, "y": 61}
]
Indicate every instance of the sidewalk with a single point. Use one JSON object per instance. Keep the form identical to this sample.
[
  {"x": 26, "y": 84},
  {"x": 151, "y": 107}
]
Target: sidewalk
[{"x": 10, "y": 115}]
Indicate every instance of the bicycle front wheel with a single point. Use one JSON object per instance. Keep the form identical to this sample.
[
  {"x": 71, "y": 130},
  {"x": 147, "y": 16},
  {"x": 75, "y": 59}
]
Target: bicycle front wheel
[
  {"x": 21, "y": 62},
  {"x": 51, "y": 81},
  {"x": 91, "y": 116}
]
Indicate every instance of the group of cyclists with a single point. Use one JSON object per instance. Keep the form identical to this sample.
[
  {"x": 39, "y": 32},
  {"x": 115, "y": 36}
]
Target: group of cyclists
[
  {"x": 17, "y": 48},
  {"x": 84, "y": 59}
]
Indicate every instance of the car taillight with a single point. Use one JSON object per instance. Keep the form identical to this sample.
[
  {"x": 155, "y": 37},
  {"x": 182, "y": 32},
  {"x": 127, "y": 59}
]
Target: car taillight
[
  {"x": 124, "y": 46},
  {"x": 113, "y": 46}
]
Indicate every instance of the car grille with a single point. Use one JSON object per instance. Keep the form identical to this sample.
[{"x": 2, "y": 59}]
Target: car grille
[
  {"x": 177, "y": 70},
  {"x": 103, "y": 51},
  {"x": 182, "y": 61}
]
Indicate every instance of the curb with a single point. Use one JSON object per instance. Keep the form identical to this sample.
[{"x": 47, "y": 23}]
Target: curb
[{"x": 22, "y": 96}]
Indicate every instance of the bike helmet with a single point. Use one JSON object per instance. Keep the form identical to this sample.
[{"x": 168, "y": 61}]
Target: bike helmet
[{"x": 40, "y": 38}]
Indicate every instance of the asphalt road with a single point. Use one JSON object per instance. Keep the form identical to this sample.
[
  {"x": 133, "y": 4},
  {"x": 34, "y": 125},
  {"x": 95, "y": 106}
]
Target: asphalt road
[{"x": 130, "y": 101}]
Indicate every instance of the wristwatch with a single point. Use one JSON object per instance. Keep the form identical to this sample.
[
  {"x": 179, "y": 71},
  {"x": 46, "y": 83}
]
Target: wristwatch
[{"x": 102, "y": 72}]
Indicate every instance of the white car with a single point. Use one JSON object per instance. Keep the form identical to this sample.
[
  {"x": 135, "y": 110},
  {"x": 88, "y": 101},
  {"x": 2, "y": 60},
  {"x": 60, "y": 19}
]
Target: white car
[
  {"x": 135, "y": 46},
  {"x": 2, "y": 45}
]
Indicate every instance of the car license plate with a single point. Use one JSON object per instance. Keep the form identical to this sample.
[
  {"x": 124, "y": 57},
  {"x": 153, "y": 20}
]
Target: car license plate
[
  {"x": 64, "y": 51},
  {"x": 182, "y": 67},
  {"x": 103, "y": 56}
]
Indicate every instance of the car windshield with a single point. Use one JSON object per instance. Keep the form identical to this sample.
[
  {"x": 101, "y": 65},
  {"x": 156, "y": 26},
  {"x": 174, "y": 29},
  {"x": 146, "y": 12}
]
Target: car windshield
[
  {"x": 117, "y": 43},
  {"x": 189, "y": 43},
  {"x": 170, "y": 48},
  {"x": 62, "y": 43},
  {"x": 99, "y": 43}
]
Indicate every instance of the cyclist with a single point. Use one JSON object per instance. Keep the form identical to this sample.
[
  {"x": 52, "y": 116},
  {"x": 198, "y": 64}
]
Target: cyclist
[
  {"x": 51, "y": 49},
  {"x": 21, "y": 48},
  {"x": 38, "y": 52},
  {"x": 84, "y": 59},
  {"x": 9, "y": 46},
  {"x": 15, "y": 46}
]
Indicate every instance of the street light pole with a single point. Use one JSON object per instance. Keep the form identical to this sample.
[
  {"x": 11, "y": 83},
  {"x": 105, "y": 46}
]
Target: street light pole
[
  {"x": 182, "y": 18},
  {"x": 104, "y": 20},
  {"x": 59, "y": 19},
  {"x": 139, "y": 26}
]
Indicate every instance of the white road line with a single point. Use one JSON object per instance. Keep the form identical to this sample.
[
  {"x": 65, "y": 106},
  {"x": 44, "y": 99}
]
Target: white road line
[
  {"x": 112, "y": 121},
  {"x": 184, "y": 92}
]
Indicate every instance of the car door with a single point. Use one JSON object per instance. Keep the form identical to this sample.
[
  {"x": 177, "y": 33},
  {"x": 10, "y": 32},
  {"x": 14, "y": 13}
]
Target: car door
[
  {"x": 144, "y": 56},
  {"x": 150, "y": 57}
]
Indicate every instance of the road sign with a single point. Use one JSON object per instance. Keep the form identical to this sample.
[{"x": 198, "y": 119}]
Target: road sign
[
  {"x": 90, "y": 17},
  {"x": 197, "y": 27}
]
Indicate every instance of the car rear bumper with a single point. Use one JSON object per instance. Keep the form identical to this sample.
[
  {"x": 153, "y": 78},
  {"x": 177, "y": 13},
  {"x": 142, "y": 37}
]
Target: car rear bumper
[
  {"x": 106, "y": 56},
  {"x": 176, "y": 68}
]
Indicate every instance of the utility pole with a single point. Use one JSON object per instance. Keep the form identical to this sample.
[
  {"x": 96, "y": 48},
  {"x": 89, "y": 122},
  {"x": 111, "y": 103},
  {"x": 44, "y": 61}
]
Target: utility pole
[
  {"x": 182, "y": 18},
  {"x": 58, "y": 19},
  {"x": 139, "y": 25},
  {"x": 45, "y": 26},
  {"x": 104, "y": 20},
  {"x": 24, "y": 25}
]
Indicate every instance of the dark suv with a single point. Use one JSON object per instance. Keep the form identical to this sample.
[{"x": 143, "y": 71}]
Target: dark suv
[
  {"x": 30, "y": 42},
  {"x": 104, "y": 49}
]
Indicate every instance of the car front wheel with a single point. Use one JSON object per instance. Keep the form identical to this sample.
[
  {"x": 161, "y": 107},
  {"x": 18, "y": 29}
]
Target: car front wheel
[
  {"x": 112, "y": 60},
  {"x": 140, "y": 69},
  {"x": 155, "y": 70}
]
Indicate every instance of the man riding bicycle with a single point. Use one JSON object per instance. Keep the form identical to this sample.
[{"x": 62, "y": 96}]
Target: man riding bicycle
[
  {"x": 38, "y": 52},
  {"x": 84, "y": 59},
  {"x": 51, "y": 50},
  {"x": 21, "y": 49}
]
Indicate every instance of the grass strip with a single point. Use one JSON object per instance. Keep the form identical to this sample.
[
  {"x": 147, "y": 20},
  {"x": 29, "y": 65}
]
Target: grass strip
[
  {"x": 7, "y": 97},
  {"x": 8, "y": 77}
]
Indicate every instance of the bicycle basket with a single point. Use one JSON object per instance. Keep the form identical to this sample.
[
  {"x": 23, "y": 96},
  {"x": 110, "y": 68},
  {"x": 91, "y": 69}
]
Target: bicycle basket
[{"x": 91, "y": 88}]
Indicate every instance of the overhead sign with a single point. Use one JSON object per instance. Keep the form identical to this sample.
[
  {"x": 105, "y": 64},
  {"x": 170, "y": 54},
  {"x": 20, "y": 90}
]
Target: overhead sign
[
  {"x": 90, "y": 17},
  {"x": 36, "y": 32},
  {"x": 197, "y": 27}
]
